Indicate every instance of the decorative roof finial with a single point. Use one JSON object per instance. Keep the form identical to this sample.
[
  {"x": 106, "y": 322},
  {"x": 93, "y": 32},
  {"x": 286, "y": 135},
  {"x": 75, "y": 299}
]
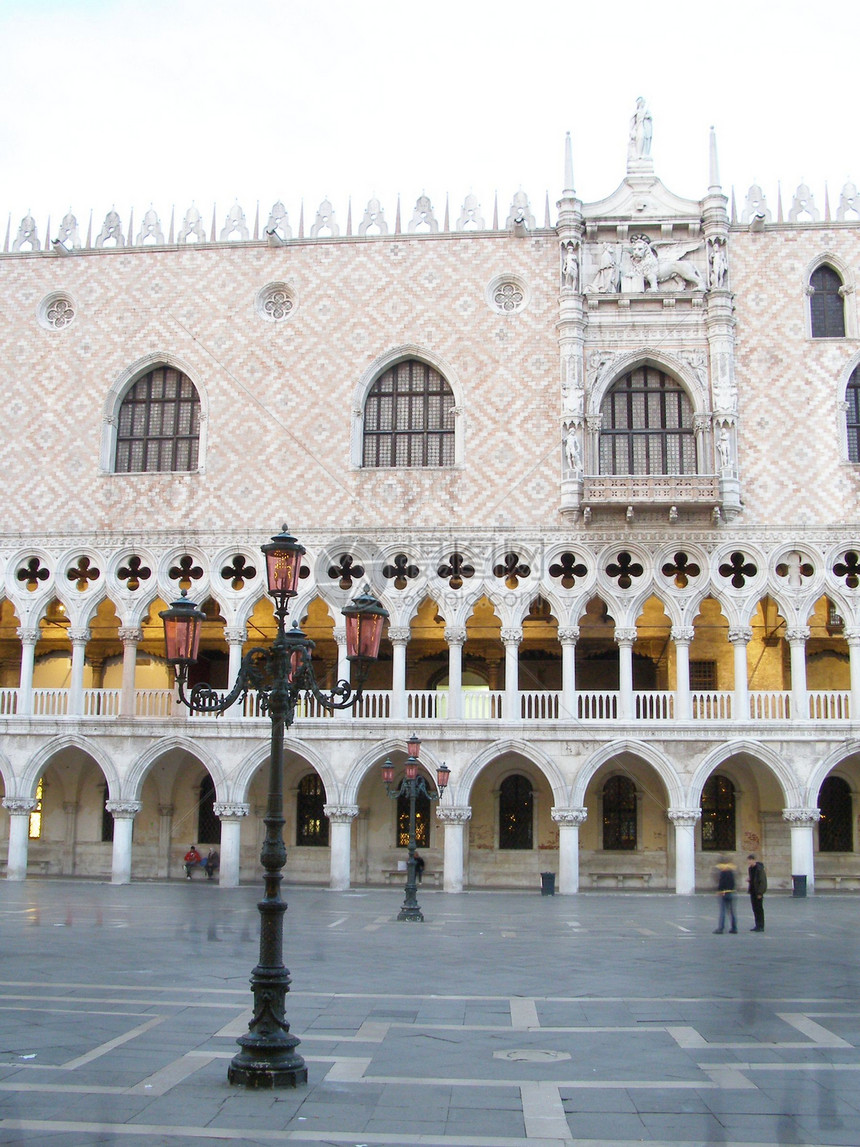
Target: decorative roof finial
[
  {"x": 568, "y": 192},
  {"x": 713, "y": 167}
]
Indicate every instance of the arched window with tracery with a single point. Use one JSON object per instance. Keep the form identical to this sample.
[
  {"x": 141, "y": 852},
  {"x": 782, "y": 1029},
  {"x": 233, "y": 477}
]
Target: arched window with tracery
[
  {"x": 835, "y": 828},
  {"x": 422, "y": 821},
  {"x": 619, "y": 815},
  {"x": 311, "y": 821},
  {"x": 158, "y": 424},
  {"x": 516, "y": 812},
  {"x": 826, "y": 305},
  {"x": 718, "y": 815},
  {"x": 647, "y": 426},
  {"x": 409, "y": 418},
  {"x": 852, "y": 415}
]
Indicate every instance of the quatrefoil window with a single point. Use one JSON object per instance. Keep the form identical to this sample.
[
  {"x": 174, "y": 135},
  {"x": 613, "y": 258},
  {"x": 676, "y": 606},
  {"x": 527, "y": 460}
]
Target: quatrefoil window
[
  {"x": 507, "y": 294},
  {"x": 456, "y": 570},
  {"x": 624, "y": 569},
  {"x": 681, "y": 569},
  {"x": 238, "y": 572},
  {"x": 276, "y": 302},
  {"x": 401, "y": 569},
  {"x": 795, "y": 568},
  {"x": 82, "y": 573},
  {"x": 512, "y": 569},
  {"x": 56, "y": 311},
  {"x": 134, "y": 573},
  {"x": 567, "y": 569},
  {"x": 185, "y": 572},
  {"x": 32, "y": 573},
  {"x": 848, "y": 568},
  {"x": 738, "y": 569},
  {"x": 346, "y": 571}
]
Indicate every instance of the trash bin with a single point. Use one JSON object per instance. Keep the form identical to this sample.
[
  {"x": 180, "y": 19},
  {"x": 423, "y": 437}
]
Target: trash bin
[
  {"x": 547, "y": 884},
  {"x": 799, "y": 886}
]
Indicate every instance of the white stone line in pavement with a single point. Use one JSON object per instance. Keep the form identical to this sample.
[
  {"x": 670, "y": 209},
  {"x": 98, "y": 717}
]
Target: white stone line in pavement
[
  {"x": 235, "y": 1027},
  {"x": 348, "y": 1070},
  {"x": 543, "y": 1112},
  {"x": 161, "y": 1081},
  {"x": 104, "y": 1048},
  {"x": 819, "y": 1035},
  {"x": 823, "y": 1066},
  {"x": 137, "y": 1002},
  {"x": 524, "y": 1015},
  {"x": 728, "y": 1078}
]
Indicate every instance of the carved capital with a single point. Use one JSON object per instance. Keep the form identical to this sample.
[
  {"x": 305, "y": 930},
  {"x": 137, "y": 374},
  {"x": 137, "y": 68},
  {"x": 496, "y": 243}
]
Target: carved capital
[
  {"x": 19, "y": 806},
  {"x": 235, "y": 634},
  {"x": 625, "y": 636},
  {"x": 701, "y": 423},
  {"x": 399, "y": 634},
  {"x": 166, "y": 810},
  {"x": 454, "y": 814},
  {"x": 797, "y": 633},
  {"x": 809, "y": 290},
  {"x": 455, "y": 634},
  {"x": 807, "y": 816},
  {"x": 130, "y": 634},
  {"x": 846, "y": 289},
  {"x": 683, "y": 634},
  {"x": 574, "y": 816},
  {"x": 511, "y": 635},
  {"x": 568, "y": 634},
  {"x": 79, "y": 636},
  {"x": 230, "y": 809},
  {"x": 341, "y": 813},
  {"x": 852, "y": 636},
  {"x": 740, "y": 634},
  {"x": 684, "y": 817},
  {"x": 594, "y": 422},
  {"x": 123, "y": 810},
  {"x": 339, "y": 634},
  {"x": 27, "y": 636}
]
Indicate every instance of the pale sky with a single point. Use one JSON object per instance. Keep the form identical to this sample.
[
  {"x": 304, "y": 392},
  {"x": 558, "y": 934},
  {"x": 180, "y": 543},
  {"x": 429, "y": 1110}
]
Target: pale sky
[{"x": 132, "y": 103}]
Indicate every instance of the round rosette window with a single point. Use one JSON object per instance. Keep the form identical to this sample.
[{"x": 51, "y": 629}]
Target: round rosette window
[
  {"x": 57, "y": 311},
  {"x": 276, "y": 302},
  {"x": 507, "y": 294}
]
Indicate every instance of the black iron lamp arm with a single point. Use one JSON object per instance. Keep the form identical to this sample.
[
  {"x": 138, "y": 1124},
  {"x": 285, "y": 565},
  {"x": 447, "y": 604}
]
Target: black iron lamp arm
[{"x": 403, "y": 789}]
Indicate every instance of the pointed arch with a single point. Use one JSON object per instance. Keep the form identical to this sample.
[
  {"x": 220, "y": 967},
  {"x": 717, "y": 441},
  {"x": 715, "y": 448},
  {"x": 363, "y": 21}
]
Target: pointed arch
[
  {"x": 460, "y": 788},
  {"x": 661, "y": 764},
  {"x": 197, "y": 749},
  {"x": 260, "y": 754},
  {"x": 791, "y": 788},
  {"x": 824, "y": 768},
  {"x": 43, "y": 756}
]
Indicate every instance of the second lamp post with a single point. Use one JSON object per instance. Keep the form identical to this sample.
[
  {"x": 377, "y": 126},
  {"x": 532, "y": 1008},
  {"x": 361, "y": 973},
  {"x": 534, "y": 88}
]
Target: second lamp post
[{"x": 412, "y": 786}]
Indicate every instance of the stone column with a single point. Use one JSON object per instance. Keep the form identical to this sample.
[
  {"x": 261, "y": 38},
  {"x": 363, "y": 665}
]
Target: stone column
[
  {"x": 568, "y": 637},
  {"x": 19, "y": 810},
  {"x": 624, "y": 639},
  {"x": 165, "y": 832},
  {"x": 235, "y": 636},
  {"x": 685, "y": 821},
  {"x": 340, "y": 818},
  {"x": 571, "y": 328},
  {"x": 740, "y": 636},
  {"x": 455, "y": 636},
  {"x": 511, "y": 638},
  {"x": 852, "y": 636},
  {"x": 343, "y": 669},
  {"x": 454, "y": 818},
  {"x": 682, "y": 636},
  {"x": 70, "y": 809},
  {"x": 797, "y": 637},
  {"x": 130, "y": 636},
  {"x": 399, "y": 638},
  {"x": 568, "y": 821},
  {"x": 802, "y": 821},
  {"x": 79, "y": 639},
  {"x": 231, "y": 816},
  {"x": 28, "y": 637},
  {"x": 123, "y": 813}
]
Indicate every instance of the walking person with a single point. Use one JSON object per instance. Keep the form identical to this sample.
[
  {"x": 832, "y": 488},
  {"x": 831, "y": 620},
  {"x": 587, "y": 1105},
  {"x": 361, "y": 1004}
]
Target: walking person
[
  {"x": 757, "y": 879},
  {"x": 726, "y": 893}
]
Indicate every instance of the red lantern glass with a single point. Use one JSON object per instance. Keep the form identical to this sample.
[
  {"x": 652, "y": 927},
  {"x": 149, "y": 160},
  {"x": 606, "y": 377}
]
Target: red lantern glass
[
  {"x": 388, "y": 773},
  {"x": 182, "y": 623},
  {"x": 283, "y": 564},
  {"x": 365, "y": 616},
  {"x": 411, "y": 768},
  {"x": 442, "y": 775},
  {"x": 413, "y": 745}
]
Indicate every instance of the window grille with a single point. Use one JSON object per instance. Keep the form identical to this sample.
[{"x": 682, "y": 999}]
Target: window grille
[
  {"x": 311, "y": 821},
  {"x": 107, "y": 818},
  {"x": 408, "y": 418},
  {"x": 208, "y": 824},
  {"x": 703, "y": 675},
  {"x": 159, "y": 424},
  {"x": 422, "y": 821},
  {"x": 619, "y": 815},
  {"x": 647, "y": 426},
  {"x": 852, "y": 400},
  {"x": 826, "y": 308},
  {"x": 35, "y": 827},
  {"x": 835, "y": 828},
  {"x": 718, "y": 815},
  {"x": 516, "y": 813}
]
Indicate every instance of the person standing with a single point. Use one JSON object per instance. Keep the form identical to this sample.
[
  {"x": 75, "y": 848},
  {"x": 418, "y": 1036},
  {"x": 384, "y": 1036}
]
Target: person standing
[
  {"x": 726, "y": 893},
  {"x": 757, "y": 878}
]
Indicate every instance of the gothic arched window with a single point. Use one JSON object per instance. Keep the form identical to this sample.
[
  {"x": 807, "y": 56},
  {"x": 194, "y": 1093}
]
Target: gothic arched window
[
  {"x": 826, "y": 307},
  {"x": 647, "y": 426},
  {"x": 311, "y": 821},
  {"x": 852, "y": 415},
  {"x": 408, "y": 418},
  {"x": 718, "y": 815},
  {"x": 619, "y": 815},
  {"x": 208, "y": 824},
  {"x": 516, "y": 812},
  {"x": 835, "y": 829},
  {"x": 158, "y": 425},
  {"x": 422, "y": 821}
]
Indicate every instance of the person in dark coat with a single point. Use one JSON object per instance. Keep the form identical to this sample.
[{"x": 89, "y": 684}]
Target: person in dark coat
[
  {"x": 757, "y": 880},
  {"x": 726, "y": 893}
]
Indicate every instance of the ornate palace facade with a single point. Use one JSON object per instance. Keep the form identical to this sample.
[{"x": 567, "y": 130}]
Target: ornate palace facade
[{"x": 602, "y": 468}]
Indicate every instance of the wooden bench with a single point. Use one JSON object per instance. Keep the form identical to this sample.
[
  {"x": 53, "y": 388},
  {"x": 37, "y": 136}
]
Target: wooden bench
[
  {"x": 398, "y": 876},
  {"x": 620, "y": 878}
]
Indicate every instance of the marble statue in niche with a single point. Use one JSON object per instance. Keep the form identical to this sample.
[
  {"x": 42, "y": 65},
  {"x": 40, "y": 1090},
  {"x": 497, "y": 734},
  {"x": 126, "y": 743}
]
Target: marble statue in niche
[{"x": 605, "y": 280}]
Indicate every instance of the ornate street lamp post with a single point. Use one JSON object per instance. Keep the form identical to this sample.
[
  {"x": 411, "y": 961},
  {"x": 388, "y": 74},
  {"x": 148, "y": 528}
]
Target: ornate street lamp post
[
  {"x": 411, "y": 786},
  {"x": 279, "y": 676}
]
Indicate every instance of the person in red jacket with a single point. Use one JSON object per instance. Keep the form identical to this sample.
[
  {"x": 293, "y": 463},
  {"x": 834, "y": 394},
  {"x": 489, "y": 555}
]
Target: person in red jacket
[{"x": 192, "y": 857}]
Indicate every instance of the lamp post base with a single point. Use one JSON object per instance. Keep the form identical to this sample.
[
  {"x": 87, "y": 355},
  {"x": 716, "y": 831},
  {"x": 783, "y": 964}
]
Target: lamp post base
[
  {"x": 260, "y": 1070},
  {"x": 411, "y": 912}
]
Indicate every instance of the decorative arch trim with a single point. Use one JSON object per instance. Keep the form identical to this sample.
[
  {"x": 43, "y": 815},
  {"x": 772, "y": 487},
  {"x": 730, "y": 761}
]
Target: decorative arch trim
[
  {"x": 252, "y": 762},
  {"x": 140, "y": 768},
  {"x": 42, "y": 758},
  {"x": 461, "y": 787},
  {"x": 791, "y": 788},
  {"x": 824, "y": 768},
  {"x": 646, "y": 753}
]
